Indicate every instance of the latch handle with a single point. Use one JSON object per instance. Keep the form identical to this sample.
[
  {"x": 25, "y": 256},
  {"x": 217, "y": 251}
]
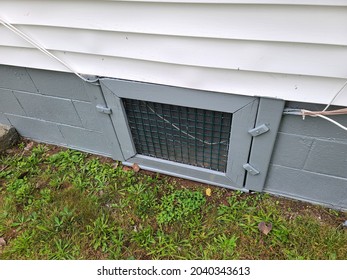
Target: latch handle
[
  {"x": 259, "y": 130},
  {"x": 103, "y": 109},
  {"x": 250, "y": 169}
]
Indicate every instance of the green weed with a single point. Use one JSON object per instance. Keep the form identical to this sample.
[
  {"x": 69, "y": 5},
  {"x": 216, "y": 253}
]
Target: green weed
[
  {"x": 21, "y": 191},
  {"x": 179, "y": 205},
  {"x": 62, "y": 250},
  {"x": 64, "y": 204},
  {"x": 101, "y": 233},
  {"x": 226, "y": 245}
]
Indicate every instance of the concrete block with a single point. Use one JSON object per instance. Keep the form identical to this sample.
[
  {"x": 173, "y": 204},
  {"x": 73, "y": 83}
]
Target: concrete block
[
  {"x": 59, "y": 84},
  {"x": 39, "y": 130},
  {"x": 49, "y": 108},
  {"x": 307, "y": 186},
  {"x": 15, "y": 78},
  {"x": 86, "y": 140},
  {"x": 328, "y": 157},
  {"x": 9, "y": 103},
  {"x": 8, "y": 137},
  {"x": 88, "y": 115},
  {"x": 291, "y": 150},
  {"x": 4, "y": 119}
]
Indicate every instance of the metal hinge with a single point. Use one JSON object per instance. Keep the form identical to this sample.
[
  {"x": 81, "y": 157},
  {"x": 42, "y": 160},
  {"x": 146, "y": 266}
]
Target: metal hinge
[
  {"x": 250, "y": 169},
  {"x": 259, "y": 130},
  {"x": 103, "y": 109}
]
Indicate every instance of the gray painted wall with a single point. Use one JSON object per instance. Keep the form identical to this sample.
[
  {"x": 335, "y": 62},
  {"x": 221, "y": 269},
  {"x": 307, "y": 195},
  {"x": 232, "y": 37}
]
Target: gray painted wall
[
  {"x": 52, "y": 107},
  {"x": 309, "y": 161}
]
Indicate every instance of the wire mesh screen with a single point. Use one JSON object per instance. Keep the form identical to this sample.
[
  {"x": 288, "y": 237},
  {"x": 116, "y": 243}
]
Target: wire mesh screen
[{"x": 186, "y": 135}]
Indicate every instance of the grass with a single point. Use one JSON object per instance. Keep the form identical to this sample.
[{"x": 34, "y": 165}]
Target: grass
[{"x": 57, "y": 203}]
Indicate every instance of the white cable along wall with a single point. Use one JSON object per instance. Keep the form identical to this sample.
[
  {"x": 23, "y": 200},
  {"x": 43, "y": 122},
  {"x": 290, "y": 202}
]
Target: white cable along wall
[
  {"x": 322, "y": 114},
  {"x": 42, "y": 49}
]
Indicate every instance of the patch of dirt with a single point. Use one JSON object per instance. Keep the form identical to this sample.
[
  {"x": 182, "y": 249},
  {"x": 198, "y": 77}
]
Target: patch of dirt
[
  {"x": 296, "y": 208},
  {"x": 54, "y": 149},
  {"x": 41, "y": 184}
]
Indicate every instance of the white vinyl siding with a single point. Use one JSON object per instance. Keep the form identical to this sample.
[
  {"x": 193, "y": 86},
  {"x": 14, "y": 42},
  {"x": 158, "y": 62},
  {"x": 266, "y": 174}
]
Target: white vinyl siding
[{"x": 293, "y": 50}]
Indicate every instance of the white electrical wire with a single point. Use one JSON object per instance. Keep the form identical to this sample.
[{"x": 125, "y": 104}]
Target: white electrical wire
[
  {"x": 182, "y": 131},
  {"x": 304, "y": 113},
  {"x": 315, "y": 114},
  {"x": 321, "y": 114},
  {"x": 42, "y": 49},
  {"x": 332, "y": 121},
  {"x": 335, "y": 96}
]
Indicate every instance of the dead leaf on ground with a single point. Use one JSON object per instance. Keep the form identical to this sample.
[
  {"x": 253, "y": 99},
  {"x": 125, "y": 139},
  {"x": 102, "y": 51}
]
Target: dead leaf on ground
[
  {"x": 225, "y": 202},
  {"x": 126, "y": 168},
  {"x": 265, "y": 228},
  {"x": 2, "y": 242},
  {"x": 136, "y": 167},
  {"x": 208, "y": 192},
  {"x": 29, "y": 146}
]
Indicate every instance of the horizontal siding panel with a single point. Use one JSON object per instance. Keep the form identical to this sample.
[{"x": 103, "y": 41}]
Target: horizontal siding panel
[
  {"x": 280, "y": 2},
  {"x": 265, "y": 2},
  {"x": 294, "y": 50},
  {"x": 289, "y": 23},
  {"x": 260, "y": 56},
  {"x": 290, "y": 87}
]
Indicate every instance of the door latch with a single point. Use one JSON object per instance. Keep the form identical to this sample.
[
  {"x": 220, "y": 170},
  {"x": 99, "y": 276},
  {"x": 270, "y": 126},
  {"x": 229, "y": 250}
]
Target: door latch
[
  {"x": 103, "y": 109},
  {"x": 250, "y": 169},
  {"x": 259, "y": 130}
]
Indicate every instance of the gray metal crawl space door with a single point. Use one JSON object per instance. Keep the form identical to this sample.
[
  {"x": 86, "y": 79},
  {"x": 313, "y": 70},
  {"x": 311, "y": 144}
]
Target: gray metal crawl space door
[{"x": 203, "y": 136}]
